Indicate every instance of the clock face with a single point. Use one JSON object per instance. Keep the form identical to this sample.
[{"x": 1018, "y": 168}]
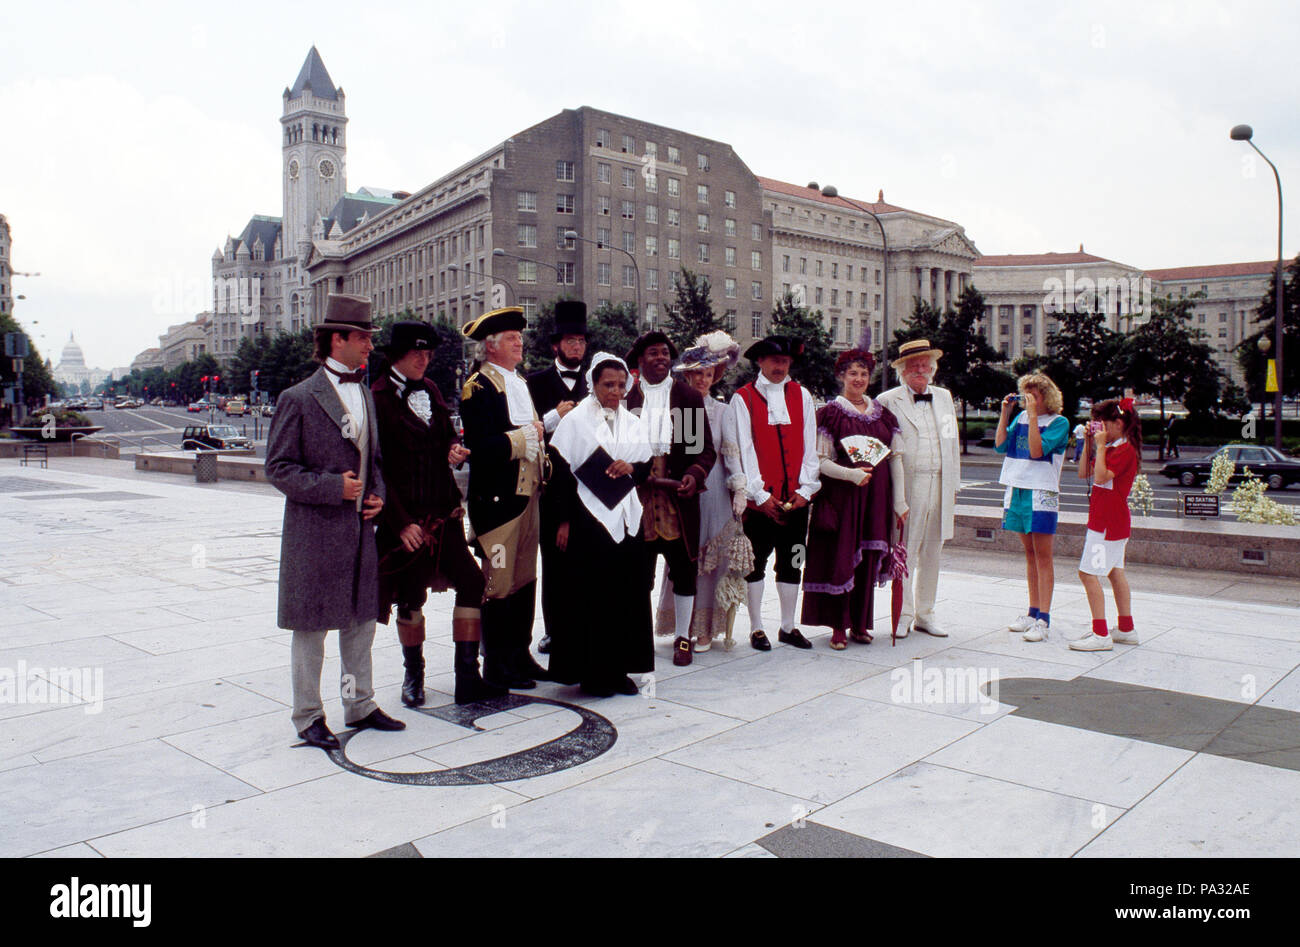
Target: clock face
[
  {"x": 326, "y": 167},
  {"x": 293, "y": 169}
]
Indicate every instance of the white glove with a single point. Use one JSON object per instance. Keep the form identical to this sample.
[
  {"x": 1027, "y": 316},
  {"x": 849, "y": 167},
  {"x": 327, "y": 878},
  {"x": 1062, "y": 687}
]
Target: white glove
[
  {"x": 532, "y": 443},
  {"x": 739, "y": 501}
]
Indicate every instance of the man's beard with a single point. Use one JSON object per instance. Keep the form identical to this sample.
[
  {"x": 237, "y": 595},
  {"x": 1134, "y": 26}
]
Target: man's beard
[{"x": 570, "y": 363}]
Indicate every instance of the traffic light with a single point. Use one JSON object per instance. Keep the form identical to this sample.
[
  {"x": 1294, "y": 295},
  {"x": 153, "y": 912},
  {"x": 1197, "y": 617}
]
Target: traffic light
[{"x": 252, "y": 378}]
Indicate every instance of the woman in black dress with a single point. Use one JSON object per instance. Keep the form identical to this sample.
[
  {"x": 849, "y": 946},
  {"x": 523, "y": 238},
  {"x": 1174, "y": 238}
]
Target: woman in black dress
[{"x": 599, "y": 451}]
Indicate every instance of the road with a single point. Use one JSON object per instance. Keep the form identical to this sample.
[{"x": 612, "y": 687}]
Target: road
[
  {"x": 980, "y": 487},
  {"x": 154, "y": 429}
]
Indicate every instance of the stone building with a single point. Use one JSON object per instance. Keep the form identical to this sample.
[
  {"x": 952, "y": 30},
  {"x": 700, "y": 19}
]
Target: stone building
[
  {"x": 1023, "y": 293},
  {"x": 645, "y": 199},
  {"x": 72, "y": 370},
  {"x": 6, "y": 271},
  {"x": 1228, "y": 313},
  {"x": 184, "y": 343},
  {"x": 830, "y": 254}
]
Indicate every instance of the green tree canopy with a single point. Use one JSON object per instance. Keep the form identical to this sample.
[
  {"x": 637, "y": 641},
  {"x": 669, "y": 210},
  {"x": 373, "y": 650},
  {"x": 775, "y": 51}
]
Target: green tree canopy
[
  {"x": 1253, "y": 361},
  {"x": 693, "y": 315}
]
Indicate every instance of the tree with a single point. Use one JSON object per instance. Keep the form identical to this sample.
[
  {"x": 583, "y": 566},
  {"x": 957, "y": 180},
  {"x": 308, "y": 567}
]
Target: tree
[
  {"x": 693, "y": 315},
  {"x": 38, "y": 383},
  {"x": 1084, "y": 358},
  {"x": 249, "y": 357},
  {"x": 1167, "y": 356},
  {"x": 967, "y": 367},
  {"x": 1249, "y": 357},
  {"x": 288, "y": 361},
  {"x": 815, "y": 368}
]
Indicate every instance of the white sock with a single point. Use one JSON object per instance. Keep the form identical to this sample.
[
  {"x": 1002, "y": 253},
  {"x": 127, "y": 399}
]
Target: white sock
[
  {"x": 754, "y": 591},
  {"x": 683, "y": 606},
  {"x": 788, "y": 593}
]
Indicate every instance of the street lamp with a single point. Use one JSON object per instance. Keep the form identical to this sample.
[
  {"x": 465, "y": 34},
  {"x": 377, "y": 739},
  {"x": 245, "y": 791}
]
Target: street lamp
[
  {"x": 830, "y": 191},
  {"x": 1245, "y": 133},
  {"x": 574, "y": 235}
]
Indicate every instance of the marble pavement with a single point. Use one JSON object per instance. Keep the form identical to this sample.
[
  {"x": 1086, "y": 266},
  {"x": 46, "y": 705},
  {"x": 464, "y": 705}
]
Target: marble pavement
[{"x": 144, "y": 693}]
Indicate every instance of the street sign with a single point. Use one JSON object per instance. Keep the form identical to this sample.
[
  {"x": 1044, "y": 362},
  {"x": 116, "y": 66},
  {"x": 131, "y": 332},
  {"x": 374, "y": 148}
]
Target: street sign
[
  {"x": 15, "y": 345},
  {"x": 1270, "y": 382},
  {"x": 1200, "y": 504}
]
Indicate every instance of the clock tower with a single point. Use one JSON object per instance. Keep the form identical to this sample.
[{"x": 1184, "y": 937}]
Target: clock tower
[{"x": 314, "y": 150}]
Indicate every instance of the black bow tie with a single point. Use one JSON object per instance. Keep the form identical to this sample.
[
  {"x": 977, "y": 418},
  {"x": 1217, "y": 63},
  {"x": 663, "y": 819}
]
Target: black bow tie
[
  {"x": 409, "y": 385},
  {"x": 926, "y": 397},
  {"x": 572, "y": 376},
  {"x": 356, "y": 377}
]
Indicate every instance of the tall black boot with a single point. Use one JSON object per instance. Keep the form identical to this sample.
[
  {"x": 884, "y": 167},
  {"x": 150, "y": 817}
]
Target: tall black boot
[
  {"x": 498, "y": 648},
  {"x": 522, "y": 613},
  {"x": 413, "y": 681},
  {"x": 469, "y": 686}
]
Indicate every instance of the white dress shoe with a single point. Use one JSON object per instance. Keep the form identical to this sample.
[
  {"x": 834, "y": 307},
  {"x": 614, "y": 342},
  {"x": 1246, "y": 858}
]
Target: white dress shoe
[
  {"x": 902, "y": 630},
  {"x": 930, "y": 627}
]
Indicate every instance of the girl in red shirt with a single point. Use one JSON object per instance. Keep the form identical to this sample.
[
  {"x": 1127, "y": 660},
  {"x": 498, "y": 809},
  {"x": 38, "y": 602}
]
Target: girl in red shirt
[{"x": 1113, "y": 459}]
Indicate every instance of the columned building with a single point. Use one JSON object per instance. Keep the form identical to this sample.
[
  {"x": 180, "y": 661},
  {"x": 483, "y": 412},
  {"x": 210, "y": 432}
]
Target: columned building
[
  {"x": 1228, "y": 314},
  {"x": 830, "y": 254},
  {"x": 1024, "y": 292},
  {"x": 6, "y": 270}
]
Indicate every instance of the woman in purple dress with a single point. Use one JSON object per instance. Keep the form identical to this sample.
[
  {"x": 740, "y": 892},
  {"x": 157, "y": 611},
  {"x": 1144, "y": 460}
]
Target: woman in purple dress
[{"x": 852, "y": 518}]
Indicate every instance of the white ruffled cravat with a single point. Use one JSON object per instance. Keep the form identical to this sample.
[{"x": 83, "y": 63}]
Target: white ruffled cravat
[
  {"x": 774, "y": 394},
  {"x": 656, "y": 415}
]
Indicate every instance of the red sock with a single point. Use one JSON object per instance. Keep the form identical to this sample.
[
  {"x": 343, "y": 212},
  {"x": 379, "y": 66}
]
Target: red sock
[
  {"x": 1099, "y": 627},
  {"x": 1125, "y": 622}
]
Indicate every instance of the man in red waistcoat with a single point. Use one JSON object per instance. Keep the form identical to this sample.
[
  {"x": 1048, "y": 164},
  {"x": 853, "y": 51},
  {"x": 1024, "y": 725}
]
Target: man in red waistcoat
[{"x": 776, "y": 431}]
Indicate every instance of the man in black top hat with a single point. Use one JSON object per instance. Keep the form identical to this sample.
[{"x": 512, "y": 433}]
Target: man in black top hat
[
  {"x": 504, "y": 433},
  {"x": 322, "y": 453},
  {"x": 555, "y": 390},
  {"x": 682, "y": 454},
  {"x": 421, "y": 532}
]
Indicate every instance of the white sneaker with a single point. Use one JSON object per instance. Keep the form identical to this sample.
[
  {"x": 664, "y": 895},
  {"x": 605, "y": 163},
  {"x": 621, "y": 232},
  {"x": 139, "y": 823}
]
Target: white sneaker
[
  {"x": 1023, "y": 623},
  {"x": 1125, "y": 637},
  {"x": 1094, "y": 642},
  {"x": 1037, "y": 631}
]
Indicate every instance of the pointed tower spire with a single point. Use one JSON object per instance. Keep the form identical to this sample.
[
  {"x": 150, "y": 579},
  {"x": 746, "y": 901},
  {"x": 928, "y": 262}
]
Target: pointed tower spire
[{"x": 314, "y": 77}]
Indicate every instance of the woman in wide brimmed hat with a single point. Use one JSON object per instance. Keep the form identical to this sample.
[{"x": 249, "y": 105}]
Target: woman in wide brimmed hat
[{"x": 702, "y": 366}]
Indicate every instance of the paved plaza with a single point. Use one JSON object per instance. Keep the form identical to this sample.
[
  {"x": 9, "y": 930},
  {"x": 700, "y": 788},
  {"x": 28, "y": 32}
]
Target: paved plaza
[{"x": 145, "y": 693}]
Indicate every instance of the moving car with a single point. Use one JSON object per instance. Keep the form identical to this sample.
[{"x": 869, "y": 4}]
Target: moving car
[
  {"x": 1274, "y": 468},
  {"x": 214, "y": 437},
  {"x": 196, "y": 406},
  {"x": 236, "y": 406}
]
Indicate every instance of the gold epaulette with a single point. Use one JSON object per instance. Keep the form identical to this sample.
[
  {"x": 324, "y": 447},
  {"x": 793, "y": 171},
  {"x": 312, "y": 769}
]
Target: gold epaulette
[{"x": 468, "y": 388}]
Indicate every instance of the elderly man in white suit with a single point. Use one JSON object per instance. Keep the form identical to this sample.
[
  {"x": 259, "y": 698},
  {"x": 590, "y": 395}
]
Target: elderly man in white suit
[{"x": 931, "y": 469}]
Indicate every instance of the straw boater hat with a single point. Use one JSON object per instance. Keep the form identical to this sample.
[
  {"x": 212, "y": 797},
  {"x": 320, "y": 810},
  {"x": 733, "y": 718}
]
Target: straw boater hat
[
  {"x": 498, "y": 320},
  {"x": 344, "y": 313},
  {"x": 914, "y": 348}
]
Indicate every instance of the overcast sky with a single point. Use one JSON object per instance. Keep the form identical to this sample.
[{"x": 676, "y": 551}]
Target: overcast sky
[{"x": 135, "y": 138}]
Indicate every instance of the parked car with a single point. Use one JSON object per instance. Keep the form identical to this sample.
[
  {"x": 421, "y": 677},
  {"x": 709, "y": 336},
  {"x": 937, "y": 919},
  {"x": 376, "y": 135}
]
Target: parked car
[
  {"x": 1276, "y": 469},
  {"x": 214, "y": 437},
  {"x": 195, "y": 407},
  {"x": 236, "y": 407}
]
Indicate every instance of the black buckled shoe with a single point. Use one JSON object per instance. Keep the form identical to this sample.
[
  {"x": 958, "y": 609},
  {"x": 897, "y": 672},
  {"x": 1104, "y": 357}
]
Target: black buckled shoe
[
  {"x": 793, "y": 637},
  {"x": 377, "y": 720},
  {"x": 319, "y": 735},
  {"x": 544, "y": 646},
  {"x": 758, "y": 641}
]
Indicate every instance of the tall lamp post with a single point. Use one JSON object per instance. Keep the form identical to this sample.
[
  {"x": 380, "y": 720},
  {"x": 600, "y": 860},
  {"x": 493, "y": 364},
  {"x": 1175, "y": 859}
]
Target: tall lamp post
[
  {"x": 830, "y": 191},
  {"x": 574, "y": 235},
  {"x": 1245, "y": 133}
]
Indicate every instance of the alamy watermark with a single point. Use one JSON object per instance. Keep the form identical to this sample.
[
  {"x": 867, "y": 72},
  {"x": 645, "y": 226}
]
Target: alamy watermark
[
  {"x": 948, "y": 685},
  {"x": 36, "y": 685},
  {"x": 223, "y": 295},
  {"x": 1126, "y": 297}
]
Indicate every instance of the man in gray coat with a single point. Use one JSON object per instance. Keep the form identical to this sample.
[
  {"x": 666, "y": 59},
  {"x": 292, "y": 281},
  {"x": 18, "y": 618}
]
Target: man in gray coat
[{"x": 322, "y": 453}]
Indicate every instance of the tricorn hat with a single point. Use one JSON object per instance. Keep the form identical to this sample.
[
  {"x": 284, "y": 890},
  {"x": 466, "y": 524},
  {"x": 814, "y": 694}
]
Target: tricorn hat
[
  {"x": 774, "y": 345},
  {"x": 570, "y": 319},
  {"x": 653, "y": 337},
  {"x": 344, "y": 313},
  {"x": 508, "y": 319},
  {"x": 411, "y": 336},
  {"x": 914, "y": 348}
]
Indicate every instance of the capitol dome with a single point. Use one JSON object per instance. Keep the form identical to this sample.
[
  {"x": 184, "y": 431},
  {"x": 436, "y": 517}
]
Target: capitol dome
[{"x": 72, "y": 356}]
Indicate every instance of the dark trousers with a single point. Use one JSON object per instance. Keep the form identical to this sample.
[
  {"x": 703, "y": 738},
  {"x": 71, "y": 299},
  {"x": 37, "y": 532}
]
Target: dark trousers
[
  {"x": 681, "y": 571},
  {"x": 788, "y": 540},
  {"x": 455, "y": 563}
]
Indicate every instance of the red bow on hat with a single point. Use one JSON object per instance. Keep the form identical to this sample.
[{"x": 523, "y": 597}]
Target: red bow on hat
[{"x": 1126, "y": 404}]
